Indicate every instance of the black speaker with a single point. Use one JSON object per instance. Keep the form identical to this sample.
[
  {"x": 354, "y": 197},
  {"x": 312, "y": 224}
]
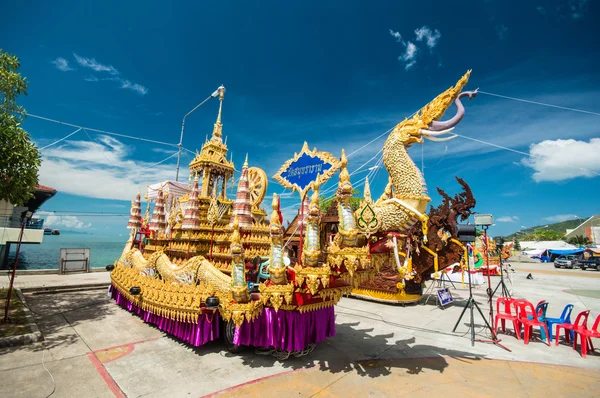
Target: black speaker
[
  {"x": 135, "y": 290},
  {"x": 466, "y": 233},
  {"x": 499, "y": 241}
]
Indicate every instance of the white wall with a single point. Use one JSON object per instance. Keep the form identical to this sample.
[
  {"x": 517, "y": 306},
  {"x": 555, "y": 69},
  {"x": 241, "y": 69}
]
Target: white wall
[{"x": 29, "y": 235}]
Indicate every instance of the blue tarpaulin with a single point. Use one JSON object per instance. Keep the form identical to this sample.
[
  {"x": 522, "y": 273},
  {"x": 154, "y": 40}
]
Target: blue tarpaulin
[{"x": 566, "y": 251}]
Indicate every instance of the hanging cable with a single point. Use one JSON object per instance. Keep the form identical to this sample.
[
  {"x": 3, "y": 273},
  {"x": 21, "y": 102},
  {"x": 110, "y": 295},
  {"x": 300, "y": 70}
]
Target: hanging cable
[
  {"x": 62, "y": 139},
  {"x": 494, "y": 145},
  {"x": 100, "y": 131},
  {"x": 540, "y": 103},
  {"x": 370, "y": 142}
]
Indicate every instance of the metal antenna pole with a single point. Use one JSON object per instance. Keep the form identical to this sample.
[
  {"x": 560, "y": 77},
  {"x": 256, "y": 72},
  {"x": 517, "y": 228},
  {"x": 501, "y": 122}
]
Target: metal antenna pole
[{"x": 180, "y": 145}]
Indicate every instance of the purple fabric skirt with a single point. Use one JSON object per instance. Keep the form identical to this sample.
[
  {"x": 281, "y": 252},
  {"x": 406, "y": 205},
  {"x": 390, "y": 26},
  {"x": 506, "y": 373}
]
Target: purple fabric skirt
[
  {"x": 287, "y": 330},
  {"x": 197, "y": 334}
]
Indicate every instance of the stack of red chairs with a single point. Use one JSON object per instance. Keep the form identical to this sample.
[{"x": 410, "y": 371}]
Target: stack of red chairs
[
  {"x": 528, "y": 318},
  {"x": 579, "y": 328},
  {"x": 507, "y": 314}
]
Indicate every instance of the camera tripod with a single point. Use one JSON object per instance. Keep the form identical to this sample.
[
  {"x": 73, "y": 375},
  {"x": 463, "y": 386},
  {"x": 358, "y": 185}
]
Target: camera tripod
[
  {"x": 471, "y": 304},
  {"x": 504, "y": 292}
]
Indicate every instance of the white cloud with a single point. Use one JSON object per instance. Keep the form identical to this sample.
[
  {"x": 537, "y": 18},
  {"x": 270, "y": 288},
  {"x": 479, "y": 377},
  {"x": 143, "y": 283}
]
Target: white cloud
[
  {"x": 397, "y": 35},
  {"x": 431, "y": 37},
  {"x": 508, "y": 219},
  {"x": 95, "y": 65},
  {"x": 54, "y": 220},
  {"x": 423, "y": 34},
  {"x": 577, "y": 8},
  {"x": 560, "y": 218},
  {"x": 62, "y": 64},
  {"x": 101, "y": 169},
  {"x": 409, "y": 55},
  {"x": 501, "y": 31},
  {"x": 134, "y": 87},
  {"x": 91, "y": 63},
  {"x": 558, "y": 160}
]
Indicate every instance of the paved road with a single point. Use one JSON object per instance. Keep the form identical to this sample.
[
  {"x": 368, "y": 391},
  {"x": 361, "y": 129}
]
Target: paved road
[{"x": 94, "y": 348}]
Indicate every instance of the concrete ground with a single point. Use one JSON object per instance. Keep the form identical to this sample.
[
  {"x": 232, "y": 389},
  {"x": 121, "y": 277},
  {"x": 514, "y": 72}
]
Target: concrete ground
[
  {"x": 31, "y": 281},
  {"x": 94, "y": 348}
]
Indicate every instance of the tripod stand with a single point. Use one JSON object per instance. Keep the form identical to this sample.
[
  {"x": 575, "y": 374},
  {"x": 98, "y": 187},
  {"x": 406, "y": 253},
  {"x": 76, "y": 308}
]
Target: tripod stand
[
  {"x": 504, "y": 292},
  {"x": 471, "y": 303},
  {"x": 440, "y": 284}
]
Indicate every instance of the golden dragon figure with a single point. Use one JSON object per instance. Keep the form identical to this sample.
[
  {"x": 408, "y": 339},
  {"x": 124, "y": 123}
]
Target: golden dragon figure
[{"x": 405, "y": 199}]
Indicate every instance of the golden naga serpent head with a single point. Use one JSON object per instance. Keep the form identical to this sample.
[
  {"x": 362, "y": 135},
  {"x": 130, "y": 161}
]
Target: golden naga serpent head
[
  {"x": 424, "y": 123},
  {"x": 275, "y": 227},
  {"x": 313, "y": 208}
]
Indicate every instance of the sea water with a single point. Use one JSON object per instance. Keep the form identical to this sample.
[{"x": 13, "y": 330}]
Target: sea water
[{"x": 104, "y": 250}]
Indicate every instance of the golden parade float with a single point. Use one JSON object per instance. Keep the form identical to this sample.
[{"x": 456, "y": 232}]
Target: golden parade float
[{"x": 203, "y": 265}]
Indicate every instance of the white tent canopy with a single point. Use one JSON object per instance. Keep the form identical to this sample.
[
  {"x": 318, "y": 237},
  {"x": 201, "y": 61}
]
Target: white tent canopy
[
  {"x": 173, "y": 188},
  {"x": 546, "y": 245}
]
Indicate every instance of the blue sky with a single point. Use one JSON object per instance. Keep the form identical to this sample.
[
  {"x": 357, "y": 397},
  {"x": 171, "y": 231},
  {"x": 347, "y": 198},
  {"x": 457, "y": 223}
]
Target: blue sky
[{"x": 336, "y": 74}]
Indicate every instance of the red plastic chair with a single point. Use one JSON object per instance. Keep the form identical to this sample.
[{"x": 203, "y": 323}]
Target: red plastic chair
[
  {"x": 506, "y": 303},
  {"x": 587, "y": 334},
  {"x": 526, "y": 309},
  {"x": 516, "y": 303},
  {"x": 579, "y": 321}
]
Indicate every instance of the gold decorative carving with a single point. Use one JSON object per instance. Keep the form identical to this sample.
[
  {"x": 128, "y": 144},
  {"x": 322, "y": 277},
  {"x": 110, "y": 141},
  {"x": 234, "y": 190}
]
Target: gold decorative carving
[
  {"x": 276, "y": 294},
  {"x": 329, "y": 158}
]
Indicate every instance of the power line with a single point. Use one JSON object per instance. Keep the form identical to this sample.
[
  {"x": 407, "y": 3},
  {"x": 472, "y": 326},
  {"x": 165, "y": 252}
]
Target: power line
[
  {"x": 494, "y": 145},
  {"x": 62, "y": 139},
  {"x": 541, "y": 103},
  {"x": 100, "y": 131},
  {"x": 83, "y": 211}
]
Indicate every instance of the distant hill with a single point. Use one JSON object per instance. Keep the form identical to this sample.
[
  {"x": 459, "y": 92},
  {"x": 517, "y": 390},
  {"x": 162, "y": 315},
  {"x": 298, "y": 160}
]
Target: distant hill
[
  {"x": 73, "y": 232},
  {"x": 556, "y": 227}
]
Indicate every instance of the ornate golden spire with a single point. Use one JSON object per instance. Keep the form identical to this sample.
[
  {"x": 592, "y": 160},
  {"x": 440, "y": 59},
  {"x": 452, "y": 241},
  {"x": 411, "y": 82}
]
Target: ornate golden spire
[
  {"x": 218, "y": 129},
  {"x": 367, "y": 191},
  {"x": 246, "y": 161},
  {"x": 212, "y": 215},
  {"x": 344, "y": 186},
  {"x": 275, "y": 215},
  {"x": 235, "y": 236}
]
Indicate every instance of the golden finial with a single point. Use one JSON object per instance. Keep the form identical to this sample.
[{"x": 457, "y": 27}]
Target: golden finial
[
  {"x": 235, "y": 236},
  {"x": 218, "y": 128},
  {"x": 147, "y": 214},
  {"x": 173, "y": 213},
  {"x": 275, "y": 215},
  {"x": 344, "y": 186},
  {"x": 246, "y": 161},
  {"x": 315, "y": 196},
  {"x": 212, "y": 215},
  {"x": 367, "y": 191}
]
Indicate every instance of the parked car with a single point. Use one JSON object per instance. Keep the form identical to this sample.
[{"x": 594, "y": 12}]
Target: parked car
[
  {"x": 592, "y": 262},
  {"x": 565, "y": 261}
]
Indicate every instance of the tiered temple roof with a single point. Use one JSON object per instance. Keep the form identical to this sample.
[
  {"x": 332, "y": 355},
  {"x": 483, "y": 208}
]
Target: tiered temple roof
[
  {"x": 242, "y": 208},
  {"x": 158, "y": 222},
  {"x": 191, "y": 217},
  {"x": 135, "y": 214}
]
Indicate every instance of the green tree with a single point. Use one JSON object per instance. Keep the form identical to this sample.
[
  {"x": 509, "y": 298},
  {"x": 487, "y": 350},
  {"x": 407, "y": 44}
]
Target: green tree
[
  {"x": 580, "y": 240},
  {"x": 517, "y": 244},
  {"x": 354, "y": 201},
  {"x": 19, "y": 157},
  {"x": 547, "y": 234}
]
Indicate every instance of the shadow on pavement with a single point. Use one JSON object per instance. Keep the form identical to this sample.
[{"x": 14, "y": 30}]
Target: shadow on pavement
[
  {"x": 57, "y": 313},
  {"x": 341, "y": 354}
]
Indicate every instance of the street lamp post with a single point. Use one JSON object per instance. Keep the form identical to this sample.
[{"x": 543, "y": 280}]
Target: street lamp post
[{"x": 180, "y": 145}]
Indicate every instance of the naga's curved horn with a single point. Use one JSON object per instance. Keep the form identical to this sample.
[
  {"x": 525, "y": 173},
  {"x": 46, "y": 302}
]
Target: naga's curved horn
[
  {"x": 429, "y": 133},
  {"x": 460, "y": 112},
  {"x": 437, "y": 139}
]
